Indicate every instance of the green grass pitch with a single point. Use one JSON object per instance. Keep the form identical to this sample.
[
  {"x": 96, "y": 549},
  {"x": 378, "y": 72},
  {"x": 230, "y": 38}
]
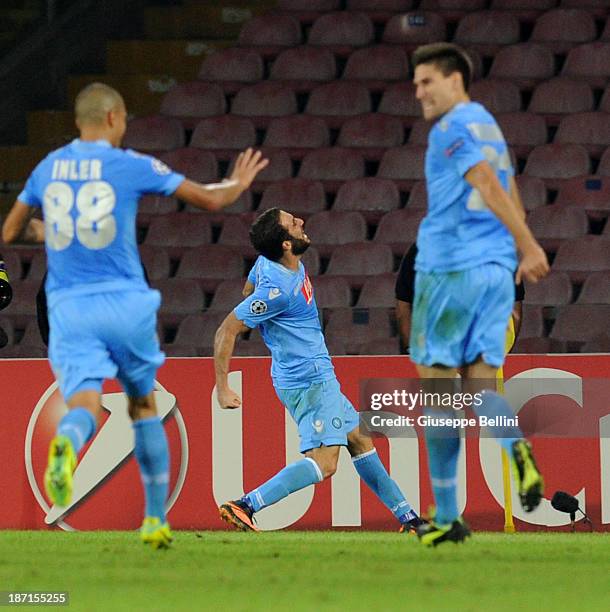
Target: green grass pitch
[{"x": 295, "y": 571}]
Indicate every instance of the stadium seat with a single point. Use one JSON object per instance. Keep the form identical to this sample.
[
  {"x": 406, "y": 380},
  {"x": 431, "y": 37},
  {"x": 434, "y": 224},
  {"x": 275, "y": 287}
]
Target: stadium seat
[
  {"x": 418, "y": 197},
  {"x": 263, "y": 101},
  {"x": 599, "y": 8},
  {"x": 254, "y": 347},
  {"x": 357, "y": 260},
  {"x": 539, "y": 346},
  {"x": 232, "y": 68},
  {"x": 38, "y": 267},
  {"x": 591, "y": 130},
  {"x": 331, "y": 292},
  {"x": 377, "y": 65},
  {"x": 226, "y": 135},
  {"x": 561, "y": 29},
  {"x": 532, "y": 191},
  {"x": 380, "y": 346},
  {"x": 338, "y": 100},
  {"x": 299, "y": 196},
  {"x": 413, "y": 29},
  {"x": 398, "y": 229},
  {"x": 332, "y": 166},
  {"x": 404, "y": 165},
  {"x": 156, "y": 133},
  {"x": 419, "y": 132},
  {"x": 174, "y": 350},
  {"x": 7, "y": 325},
  {"x": 370, "y": 196},
  {"x": 596, "y": 289},
  {"x": 299, "y": 133},
  {"x": 577, "y": 323},
  {"x": 553, "y": 224},
  {"x": 592, "y": 193},
  {"x": 453, "y": 10},
  {"x": 604, "y": 105},
  {"x": 210, "y": 265},
  {"x": 329, "y": 229},
  {"x": 357, "y": 326},
  {"x": 599, "y": 344},
  {"x": 378, "y": 292},
  {"x": 31, "y": 336},
  {"x": 311, "y": 261},
  {"x": 192, "y": 101},
  {"x": 278, "y": 169},
  {"x": 270, "y": 34},
  {"x": 178, "y": 231},
  {"x": 561, "y": 96},
  {"x": 199, "y": 330},
  {"x": 150, "y": 206},
  {"x": 241, "y": 206},
  {"x": 522, "y": 131},
  {"x": 605, "y": 37},
  {"x": 181, "y": 297},
  {"x": 399, "y": 100},
  {"x": 557, "y": 162},
  {"x": 380, "y": 11},
  {"x": 235, "y": 233},
  {"x": 525, "y": 64},
  {"x": 228, "y": 294},
  {"x": 487, "y": 31},
  {"x": 496, "y": 96},
  {"x": 12, "y": 263},
  {"x": 304, "y": 67},
  {"x": 307, "y": 11},
  {"x": 578, "y": 258},
  {"x": 341, "y": 32},
  {"x": 23, "y": 351},
  {"x": 553, "y": 290},
  {"x": 532, "y": 321},
  {"x": 372, "y": 134},
  {"x": 196, "y": 164},
  {"x": 524, "y": 10},
  {"x": 604, "y": 163},
  {"x": 155, "y": 261},
  {"x": 590, "y": 62}
]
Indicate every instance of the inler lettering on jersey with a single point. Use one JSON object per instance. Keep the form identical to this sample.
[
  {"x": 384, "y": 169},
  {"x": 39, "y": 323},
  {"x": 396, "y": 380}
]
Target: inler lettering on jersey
[{"x": 77, "y": 170}]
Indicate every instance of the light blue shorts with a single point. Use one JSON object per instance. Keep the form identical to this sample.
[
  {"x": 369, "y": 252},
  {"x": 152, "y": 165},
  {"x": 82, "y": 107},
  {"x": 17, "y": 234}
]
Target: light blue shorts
[
  {"x": 461, "y": 316},
  {"x": 105, "y": 335},
  {"x": 322, "y": 413}
]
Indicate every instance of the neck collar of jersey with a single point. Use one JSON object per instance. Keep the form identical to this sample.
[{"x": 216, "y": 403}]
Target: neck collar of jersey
[{"x": 91, "y": 143}]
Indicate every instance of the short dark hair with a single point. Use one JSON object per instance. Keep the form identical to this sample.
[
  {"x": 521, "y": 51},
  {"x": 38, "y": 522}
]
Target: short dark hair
[
  {"x": 267, "y": 234},
  {"x": 447, "y": 57}
]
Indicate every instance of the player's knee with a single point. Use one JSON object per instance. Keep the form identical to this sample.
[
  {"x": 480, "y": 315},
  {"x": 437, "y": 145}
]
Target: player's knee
[
  {"x": 357, "y": 444},
  {"x": 328, "y": 469}
]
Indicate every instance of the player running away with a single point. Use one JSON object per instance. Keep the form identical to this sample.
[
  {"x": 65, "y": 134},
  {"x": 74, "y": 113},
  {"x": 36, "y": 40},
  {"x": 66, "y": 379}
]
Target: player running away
[
  {"x": 464, "y": 287},
  {"x": 280, "y": 301}
]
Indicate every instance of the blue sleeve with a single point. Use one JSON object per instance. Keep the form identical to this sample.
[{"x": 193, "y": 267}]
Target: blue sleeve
[
  {"x": 28, "y": 195},
  {"x": 265, "y": 303},
  {"x": 152, "y": 175},
  {"x": 459, "y": 147},
  {"x": 252, "y": 273}
]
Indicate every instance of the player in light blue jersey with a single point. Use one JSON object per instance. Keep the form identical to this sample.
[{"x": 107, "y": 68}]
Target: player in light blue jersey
[
  {"x": 464, "y": 288},
  {"x": 280, "y": 301},
  {"x": 102, "y": 312}
]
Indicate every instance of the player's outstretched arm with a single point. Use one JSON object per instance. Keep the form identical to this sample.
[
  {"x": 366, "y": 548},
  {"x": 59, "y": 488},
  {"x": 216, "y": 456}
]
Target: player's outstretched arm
[
  {"x": 224, "y": 343},
  {"x": 18, "y": 225},
  {"x": 216, "y": 196},
  {"x": 534, "y": 264}
]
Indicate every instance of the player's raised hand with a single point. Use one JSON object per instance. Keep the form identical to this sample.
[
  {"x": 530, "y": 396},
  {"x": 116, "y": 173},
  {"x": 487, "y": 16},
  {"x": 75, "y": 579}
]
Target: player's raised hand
[
  {"x": 249, "y": 163},
  {"x": 228, "y": 400},
  {"x": 534, "y": 265}
]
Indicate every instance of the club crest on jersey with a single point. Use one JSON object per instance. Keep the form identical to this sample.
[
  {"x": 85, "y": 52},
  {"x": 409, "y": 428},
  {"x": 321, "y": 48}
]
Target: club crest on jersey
[
  {"x": 307, "y": 289},
  {"x": 258, "y": 307}
]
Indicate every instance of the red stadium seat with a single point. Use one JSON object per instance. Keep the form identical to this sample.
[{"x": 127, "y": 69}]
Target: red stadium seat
[
  {"x": 332, "y": 166},
  {"x": 31, "y": 336},
  {"x": 307, "y": 10},
  {"x": 524, "y": 10},
  {"x": 557, "y": 162},
  {"x": 235, "y": 233},
  {"x": 338, "y": 100},
  {"x": 605, "y": 37},
  {"x": 263, "y": 101},
  {"x": 398, "y": 229},
  {"x": 522, "y": 131},
  {"x": 404, "y": 165},
  {"x": 270, "y": 34},
  {"x": 279, "y": 168},
  {"x": 304, "y": 67},
  {"x": 578, "y": 258},
  {"x": 231, "y": 68},
  {"x": 559, "y": 97},
  {"x": 532, "y": 322},
  {"x": 590, "y": 62},
  {"x": 196, "y": 164},
  {"x": 178, "y": 231},
  {"x": 372, "y": 134},
  {"x": 453, "y": 10},
  {"x": 377, "y": 65},
  {"x": 553, "y": 224},
  {"x": 592, "y": 193},
  {"x": 578, "y": 323},
  {"x": 254, "y": 347},
  {"x": 553, "y": 290},
  {"x": 496, "y": 96},
  {"x": 370, "y": 196},
  {"x": 378, "y": 292},
  {"x": 7, "y": 325},
  {"x": 599, "y": 8},
  {"x": 399, "y": 100},
  {"x": 525, "y": 64},
  {"x": 194, "y": 100},
  {"x": 199, "y": 330},
  {"x": 414, "y": 29},
  {"x": 38, "y": 267},
  {"x": 151, "y": 206},
  {"x": 418, "y": 197},
  {"x": 12, "y": 263},
  {"x": 331, "y": 292},
  {"x": 342, "y": 31},
  {"x": 329, "y": 229},
  {"x": 299, "y": 133},
  {"x": 380, "y": 346},
  {"x": 210, "y": 265},
  {"x": 299, "y": 196},
  {"x": 380, "y": 10},
  {"x": 419, "y": 132},
  {"x": 599, "y": 344},
  {"x": 225, "y": 135},
  {"x": 242, "y": 205},
  {"x": 355, "y": 327},
  {"x": 358, "y": 260},
  {"x": 539, "y": 346},
  {"x": 561, "y": 29},
  {"x": 487, "y": 31},
  {"x": 596, "y": 289},
  {"x": 156, "y": 133},
  {"x": 23, "y": 351},
  {"x": 591, "y": 130},
  {"x": 228, "y": 294},
  {"x": 532, "y": 191},
  {"x": 181, "y": 297},
  {"x": 311, "y": 261},
  {"x": 156, "y": 262}
]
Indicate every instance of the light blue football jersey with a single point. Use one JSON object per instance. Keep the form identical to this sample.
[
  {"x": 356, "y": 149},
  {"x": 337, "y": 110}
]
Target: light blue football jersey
[
  {"x": 459, "y": 231},
  {"x": 89, "y": 194},
  {"x": 284, "y": 307}
]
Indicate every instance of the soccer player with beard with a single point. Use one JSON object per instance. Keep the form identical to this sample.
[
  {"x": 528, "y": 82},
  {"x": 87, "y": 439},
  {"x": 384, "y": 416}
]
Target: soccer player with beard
[{"x": 280, "y": 300}]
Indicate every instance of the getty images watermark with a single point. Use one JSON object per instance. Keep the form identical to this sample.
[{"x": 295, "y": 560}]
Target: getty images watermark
[{"x": 570, "y": 407}]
